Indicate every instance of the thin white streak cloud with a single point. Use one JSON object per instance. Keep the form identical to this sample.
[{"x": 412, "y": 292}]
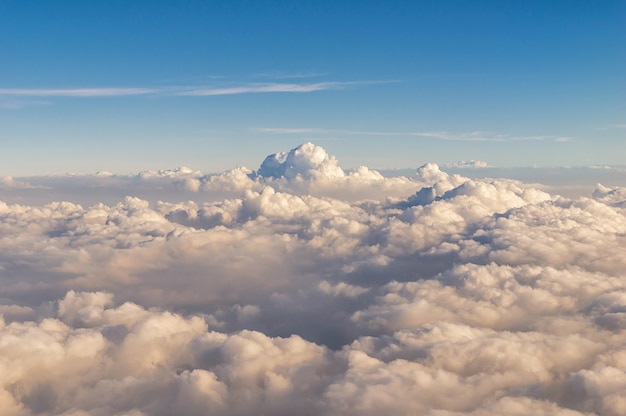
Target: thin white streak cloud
[
  {"x": 303, "y": 130},
  {"x": 267, "y": 88},
  {"x": 294, "y": 75},
  {"x": 475, "y": 136},
  {"x": 74, "y": 92},
  {"x": 183, "y": 91}
]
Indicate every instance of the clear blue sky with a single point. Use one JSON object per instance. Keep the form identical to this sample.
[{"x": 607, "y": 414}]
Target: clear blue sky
[{"x": 132, "y": 85}]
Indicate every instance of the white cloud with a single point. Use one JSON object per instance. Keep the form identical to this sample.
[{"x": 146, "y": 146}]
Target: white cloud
[
  {"x": 614, "y": 196},
  {"x": 287, "y": 130},
  {"x": 247, "y": 88},
  {"x": 290, "y": 75},
  {"x": 8, "y": 182},
  {"x": 305, "y": 289},
  {"x": 267, "y": 88},
  {"x": 305, "y": 161},
  {"x": 341, "y": 289},
  {"x": 181, "y": 172},
  {"x": 469, "y": 164},
  {"x": 74, "y": 92}
]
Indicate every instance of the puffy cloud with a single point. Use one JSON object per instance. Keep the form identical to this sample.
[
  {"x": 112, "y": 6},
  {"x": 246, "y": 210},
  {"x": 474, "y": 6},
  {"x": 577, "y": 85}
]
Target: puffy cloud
[
  {"x": 8, "y": 182},
  {"x": 157, "y": 363},
  {"x": 341, "y": 289},
  {"x": 235, "y": 180},
  {"x": 305, "y": 161},
  {"x": 615, "y": 196},
  {"x": 308, "y": 169},
  {"x": 305, "y": 289},
  {"x": 181, "y": 172},
  {"x": 160, "y": 362}
]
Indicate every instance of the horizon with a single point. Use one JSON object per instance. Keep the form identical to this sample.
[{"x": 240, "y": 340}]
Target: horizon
[{"x": 112, "y": 187}]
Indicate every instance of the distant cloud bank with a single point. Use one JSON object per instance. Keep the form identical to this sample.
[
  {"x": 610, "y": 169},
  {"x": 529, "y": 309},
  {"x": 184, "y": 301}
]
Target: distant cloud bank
[
  {"x": 469, "y": 164},
  {"x": 299, "y": 288}
]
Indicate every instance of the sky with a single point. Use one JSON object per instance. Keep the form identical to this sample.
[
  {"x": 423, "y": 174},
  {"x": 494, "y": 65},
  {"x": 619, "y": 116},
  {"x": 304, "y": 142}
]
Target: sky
[{"x": 129, "y": 86}]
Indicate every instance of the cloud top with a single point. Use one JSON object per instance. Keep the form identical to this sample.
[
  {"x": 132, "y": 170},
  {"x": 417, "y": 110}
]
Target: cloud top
[
  {"x": 305, "y": 161},
  {"x": 304, "y": 289}
]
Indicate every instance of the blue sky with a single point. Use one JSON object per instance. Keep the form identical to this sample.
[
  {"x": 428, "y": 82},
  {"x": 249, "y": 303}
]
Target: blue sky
[{"x": 128, "y": 86}]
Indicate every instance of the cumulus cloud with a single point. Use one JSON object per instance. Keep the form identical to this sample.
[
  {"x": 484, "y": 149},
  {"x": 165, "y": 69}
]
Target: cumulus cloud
[
  {"x": 615, "y": 196},
  {"x": 8, "y": 182},
  {"x": 305, "y": 170},
  {"x": 181, "y": 172},
  {"x": 310, "y": 170},
  {"x": 301, "y": 288}
]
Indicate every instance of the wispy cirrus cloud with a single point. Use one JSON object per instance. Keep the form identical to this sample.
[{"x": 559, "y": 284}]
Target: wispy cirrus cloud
[
  {"x": 268, "y": 88},
  {"x": 289, "y": 130},
  {"x": 232, "y": 89},
  {"x": 290, "y": 75},
  {"x": 474, "y": 136},
  {"x": 75, "y": 92}
]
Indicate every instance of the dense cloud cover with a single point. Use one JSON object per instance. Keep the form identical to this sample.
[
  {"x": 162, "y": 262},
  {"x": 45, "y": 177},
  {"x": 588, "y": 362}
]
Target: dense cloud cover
[{"x": 301, "y": 289}]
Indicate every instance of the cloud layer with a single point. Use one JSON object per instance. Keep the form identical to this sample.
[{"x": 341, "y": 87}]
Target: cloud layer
[{"x": 299, "y": 288}]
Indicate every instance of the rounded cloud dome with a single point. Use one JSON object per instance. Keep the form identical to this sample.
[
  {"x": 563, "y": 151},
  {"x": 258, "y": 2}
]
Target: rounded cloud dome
[{"x": 307, "y": 160}]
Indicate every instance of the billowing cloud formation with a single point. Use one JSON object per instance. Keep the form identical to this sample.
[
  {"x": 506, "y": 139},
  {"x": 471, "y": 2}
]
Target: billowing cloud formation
[
  {"x": 305, "y": 170},
  {"x": 612, "y": 196},
  {"x": 303, "y": 289}
]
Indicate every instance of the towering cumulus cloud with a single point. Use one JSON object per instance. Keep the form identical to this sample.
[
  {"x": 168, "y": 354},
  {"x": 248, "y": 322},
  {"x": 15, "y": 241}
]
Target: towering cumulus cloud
[{"x": 299, "y": 288}]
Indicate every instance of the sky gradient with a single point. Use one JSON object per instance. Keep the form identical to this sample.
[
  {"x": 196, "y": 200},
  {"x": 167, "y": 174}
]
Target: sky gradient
[{"x": 122, "y": 87}]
